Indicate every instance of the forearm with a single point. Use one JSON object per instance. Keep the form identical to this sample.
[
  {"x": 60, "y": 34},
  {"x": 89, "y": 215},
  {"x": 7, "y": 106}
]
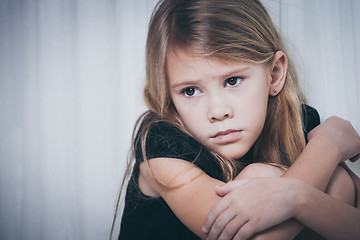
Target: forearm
[
  {"x": 314, "y": 168},
  {"x": 315, "y": 165},
  {"x": 326, "y": 215},
  {"x": 311, "y": 171},
  {"x": 284, "y": 231}
]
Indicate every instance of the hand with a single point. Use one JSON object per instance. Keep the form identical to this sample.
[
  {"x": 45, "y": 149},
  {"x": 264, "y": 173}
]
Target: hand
[
  {"x": 251, "y": 205},
  {"x": 340, "y": 134}
]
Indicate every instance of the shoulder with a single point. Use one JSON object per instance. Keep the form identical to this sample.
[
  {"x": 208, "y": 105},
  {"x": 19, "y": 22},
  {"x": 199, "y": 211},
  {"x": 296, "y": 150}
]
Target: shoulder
[
  {"x": 163, "y": 139},
  {"x": 311, "y": 118}
]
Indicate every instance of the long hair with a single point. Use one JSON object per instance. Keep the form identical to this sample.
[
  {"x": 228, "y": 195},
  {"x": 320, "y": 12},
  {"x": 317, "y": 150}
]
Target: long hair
[{"x": 230, "y": 30}]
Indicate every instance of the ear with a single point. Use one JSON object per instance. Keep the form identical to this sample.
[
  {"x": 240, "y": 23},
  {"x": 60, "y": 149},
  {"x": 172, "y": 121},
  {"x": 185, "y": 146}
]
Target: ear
[{"x": 278, "y": 73}]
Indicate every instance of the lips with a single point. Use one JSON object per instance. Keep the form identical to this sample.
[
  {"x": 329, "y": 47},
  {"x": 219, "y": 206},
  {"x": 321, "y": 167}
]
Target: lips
[{"x": 228, "y": 136}]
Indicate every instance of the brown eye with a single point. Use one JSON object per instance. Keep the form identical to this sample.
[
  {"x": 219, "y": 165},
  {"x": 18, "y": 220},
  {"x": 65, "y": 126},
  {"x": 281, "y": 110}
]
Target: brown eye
[
  {"x": 233, "y": 81},
  {"x": 190, "y": 91}
]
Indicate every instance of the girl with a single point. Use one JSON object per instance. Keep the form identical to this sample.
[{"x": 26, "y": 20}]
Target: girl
[{"x": 222, "y": 95}]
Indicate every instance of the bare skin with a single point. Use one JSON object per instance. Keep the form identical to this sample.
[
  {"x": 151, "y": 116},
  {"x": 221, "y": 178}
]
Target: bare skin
[
  {"x": 193, "y": 201},
  {"x": 218, "y": 89},
  {"x": 273, "y": 199},
  {"x": 340, "y": 187}
]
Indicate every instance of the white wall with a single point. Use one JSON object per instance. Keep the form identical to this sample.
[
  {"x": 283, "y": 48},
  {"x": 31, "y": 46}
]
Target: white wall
[{"x": 71, "y": 74}]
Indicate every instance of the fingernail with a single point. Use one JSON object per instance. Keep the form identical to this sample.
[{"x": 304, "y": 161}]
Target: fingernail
[{"x": 204, "y": 229}]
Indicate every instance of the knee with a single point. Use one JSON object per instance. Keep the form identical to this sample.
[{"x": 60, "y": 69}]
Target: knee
[
  {"x": 261, "y": 170},
  {"x": 341, "y": 186}
]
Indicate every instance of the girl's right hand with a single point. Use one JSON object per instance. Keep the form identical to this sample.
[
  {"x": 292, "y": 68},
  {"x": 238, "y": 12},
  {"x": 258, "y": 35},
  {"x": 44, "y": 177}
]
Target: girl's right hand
[{"x": 339, "y": 134}]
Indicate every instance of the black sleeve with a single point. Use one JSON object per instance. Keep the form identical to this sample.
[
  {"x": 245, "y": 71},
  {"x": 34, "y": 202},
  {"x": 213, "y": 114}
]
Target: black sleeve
[
  {"x": 311, "y": 118},
  {"x": 166, "y": 140}
]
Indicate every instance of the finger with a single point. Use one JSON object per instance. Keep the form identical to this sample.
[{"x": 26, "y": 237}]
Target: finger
[
  {"x": 215, "y": 211},
  {"x": 245, "y": 232},
  {"x": 221, "y": 190},
  {"x": 230, "y": 186},
  {"x": 221, "y": 223},
  {"x": 232, "y": 228}
]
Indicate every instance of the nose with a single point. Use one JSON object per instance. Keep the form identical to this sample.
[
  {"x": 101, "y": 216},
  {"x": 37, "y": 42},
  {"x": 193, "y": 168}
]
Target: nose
[{"x": 219, "y": 109}]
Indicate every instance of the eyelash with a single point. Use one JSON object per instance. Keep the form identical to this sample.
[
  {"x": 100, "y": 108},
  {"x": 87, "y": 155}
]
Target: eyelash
[
  {"x": 238, "y": 81},
  {"x": 183, "y": 92},
  {"x": 195, "y": 89}
]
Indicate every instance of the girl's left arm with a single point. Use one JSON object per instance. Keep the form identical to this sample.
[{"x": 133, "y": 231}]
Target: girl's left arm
[
  {"x": 335, "y": 139},
  {"x": 276, "y": 199}
]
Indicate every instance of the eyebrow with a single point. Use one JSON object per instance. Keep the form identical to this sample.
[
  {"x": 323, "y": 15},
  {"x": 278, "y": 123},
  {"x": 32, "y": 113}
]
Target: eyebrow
[
  {"x": 183, "y": 83},
  {"x": 235, "y": 73},
  {"x": 224, "y": 76}
]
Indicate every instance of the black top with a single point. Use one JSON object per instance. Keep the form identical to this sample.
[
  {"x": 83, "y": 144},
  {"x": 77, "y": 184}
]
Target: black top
[{"x": 151, "y": 218}]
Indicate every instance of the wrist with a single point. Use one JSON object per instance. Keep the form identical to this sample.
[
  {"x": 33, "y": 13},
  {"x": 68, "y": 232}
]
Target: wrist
[
  {"x": 301, "y": 197},
  {"x": 328, "y": 148}
]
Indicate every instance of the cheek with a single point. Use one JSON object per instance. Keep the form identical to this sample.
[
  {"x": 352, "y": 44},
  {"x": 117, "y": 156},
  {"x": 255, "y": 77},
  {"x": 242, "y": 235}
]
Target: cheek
[
  {"x": 256, "y": 97},
  {"x": 193, "y": 119},
  {"x": 254, "y": 113},
  {"x": 188, "y": 114}
]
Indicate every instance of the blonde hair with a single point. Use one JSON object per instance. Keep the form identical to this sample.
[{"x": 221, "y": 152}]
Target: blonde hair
[{"x": 230, "y": 30}]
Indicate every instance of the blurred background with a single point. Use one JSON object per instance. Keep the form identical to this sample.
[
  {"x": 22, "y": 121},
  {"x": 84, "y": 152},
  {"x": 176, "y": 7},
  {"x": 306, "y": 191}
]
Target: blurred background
[{"x": 71, "y": 77}]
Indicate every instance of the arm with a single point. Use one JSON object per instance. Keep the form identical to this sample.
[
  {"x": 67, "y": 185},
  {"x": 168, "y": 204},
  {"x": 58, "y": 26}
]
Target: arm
[
  {"x": 330, "y": 217},
  {"x": 336, "y": 222},
  {"x": 356, "y": 181},
  {"x": 318, "y": 174},
  {"x": 334, "y": 219},
  {"x": 325, "y": 140},
  {"x": 193, "y": 193},
  {"x": 332, "y": 139},
  {"x": 263, "y": 207},
  {"x": 189, "y": 193}
]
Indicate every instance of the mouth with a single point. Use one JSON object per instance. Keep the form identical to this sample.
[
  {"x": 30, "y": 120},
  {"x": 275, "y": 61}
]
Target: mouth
[{"x": 228, "y": 136}]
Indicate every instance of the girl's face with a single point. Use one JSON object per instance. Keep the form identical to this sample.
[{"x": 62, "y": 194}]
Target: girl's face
[{"x": 222, "y": 104}]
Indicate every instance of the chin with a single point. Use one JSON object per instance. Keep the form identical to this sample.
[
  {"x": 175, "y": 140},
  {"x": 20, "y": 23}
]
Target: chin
[{"x": 232, "y": 155}]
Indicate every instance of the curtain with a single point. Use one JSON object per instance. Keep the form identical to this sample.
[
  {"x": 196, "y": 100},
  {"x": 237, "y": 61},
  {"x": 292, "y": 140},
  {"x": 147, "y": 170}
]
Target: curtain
[
  {"x": 71, "y": 77},
  {"x": 323, "y": 38}
]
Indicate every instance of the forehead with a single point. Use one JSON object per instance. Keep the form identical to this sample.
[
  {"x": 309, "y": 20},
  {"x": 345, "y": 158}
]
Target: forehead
[
  {"x": 189, "y": 55},
  {"x": 187, "y": 60},
  {"x": 184, "y": 65}
]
